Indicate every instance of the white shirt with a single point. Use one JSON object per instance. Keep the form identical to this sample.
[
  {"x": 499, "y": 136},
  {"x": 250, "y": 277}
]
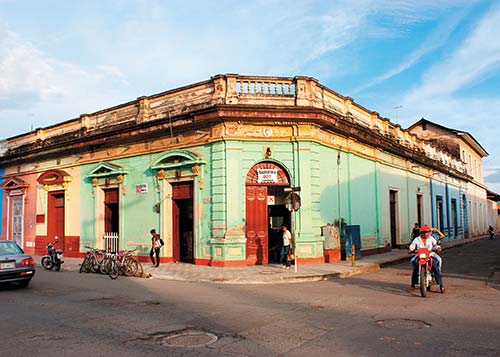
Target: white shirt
[
  {"x": 287, "y": 237},
  {"x": 417, "y": 243}
]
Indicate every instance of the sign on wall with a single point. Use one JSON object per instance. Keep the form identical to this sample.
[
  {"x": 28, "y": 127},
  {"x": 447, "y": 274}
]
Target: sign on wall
[
  {"x": 141, "y": 188},
  {"x": 267, "y": 175}
]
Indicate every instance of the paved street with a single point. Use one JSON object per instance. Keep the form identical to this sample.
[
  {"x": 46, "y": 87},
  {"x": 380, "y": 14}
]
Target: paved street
[{"x": 371, "y": 314}]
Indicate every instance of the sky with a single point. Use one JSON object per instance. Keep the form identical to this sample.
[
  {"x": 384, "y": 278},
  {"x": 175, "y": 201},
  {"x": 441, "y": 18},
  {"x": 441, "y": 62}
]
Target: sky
[{"x": 403, "y": 59}]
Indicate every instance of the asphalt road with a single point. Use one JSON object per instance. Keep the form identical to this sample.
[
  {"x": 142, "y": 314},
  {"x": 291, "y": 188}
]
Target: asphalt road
[{"x": 374, "y": 314}]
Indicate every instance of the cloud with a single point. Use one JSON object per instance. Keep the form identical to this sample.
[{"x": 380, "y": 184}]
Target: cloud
[
  {"x": 435, "y": 40},
  {"x": 478, "y": 57},
  {"x": 25, "y": 72},
  {"x": 439, "y": 96},
  {"x": 493, "y": 176},
  {"x": 151, "y": 46}
]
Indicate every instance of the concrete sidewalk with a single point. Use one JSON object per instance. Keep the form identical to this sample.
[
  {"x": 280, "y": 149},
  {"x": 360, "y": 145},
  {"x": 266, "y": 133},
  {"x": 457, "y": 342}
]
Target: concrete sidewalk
[{"x": 266, "y": 274}]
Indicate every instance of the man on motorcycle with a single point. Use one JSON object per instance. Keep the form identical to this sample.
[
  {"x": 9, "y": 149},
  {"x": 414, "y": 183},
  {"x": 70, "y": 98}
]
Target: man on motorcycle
[{"x": 425, "y": 241}]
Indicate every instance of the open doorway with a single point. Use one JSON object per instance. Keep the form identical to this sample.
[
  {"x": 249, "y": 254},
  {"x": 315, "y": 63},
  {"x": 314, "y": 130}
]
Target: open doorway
[
  {"x": 182, "y": 222},
  {"x": 394, "y": 213},
  {"x": 111, "y": 211},
  {"x": 277, "y": 214}
]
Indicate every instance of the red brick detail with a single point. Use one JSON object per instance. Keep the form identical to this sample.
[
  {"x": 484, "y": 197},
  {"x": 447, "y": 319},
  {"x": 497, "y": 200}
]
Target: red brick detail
[
  {"x": 241, "y": 263},
  {"x": 147, "y": 259},
  {"x": 72, "y": 246},
  {"x": 221, "y": 263},
  {"x": 331, "y": 255},
  {"x": 40, "y": 243},
  {"x": 317, "y": 260}
]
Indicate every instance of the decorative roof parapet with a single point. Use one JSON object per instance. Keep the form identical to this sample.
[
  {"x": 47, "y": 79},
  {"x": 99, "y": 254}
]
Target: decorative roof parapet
[{"x": 228, "y": 89}]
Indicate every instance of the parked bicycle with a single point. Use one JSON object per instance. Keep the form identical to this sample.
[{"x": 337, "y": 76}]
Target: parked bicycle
[{"x": 111, "y": 263}]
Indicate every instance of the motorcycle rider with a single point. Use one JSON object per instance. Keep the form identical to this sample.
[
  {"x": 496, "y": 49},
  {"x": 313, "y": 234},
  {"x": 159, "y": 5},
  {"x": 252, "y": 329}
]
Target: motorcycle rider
[{"x": 425, "y": 241}]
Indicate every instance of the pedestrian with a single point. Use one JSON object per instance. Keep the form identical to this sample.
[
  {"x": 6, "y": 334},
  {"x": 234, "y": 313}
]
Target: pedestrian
[
  {"x": 416, "y": 231},
  {"x": 285, "y": 250},
  {"x": 156, "y": 244},
  {"x": 491, "y": 232}
]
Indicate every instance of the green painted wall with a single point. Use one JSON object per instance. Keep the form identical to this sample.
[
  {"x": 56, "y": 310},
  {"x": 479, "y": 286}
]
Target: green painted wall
[{"x": 335, "y": 186}]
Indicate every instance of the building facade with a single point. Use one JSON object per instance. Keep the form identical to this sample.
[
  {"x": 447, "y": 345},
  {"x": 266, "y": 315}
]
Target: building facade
[{"x": 207, "y": 166}]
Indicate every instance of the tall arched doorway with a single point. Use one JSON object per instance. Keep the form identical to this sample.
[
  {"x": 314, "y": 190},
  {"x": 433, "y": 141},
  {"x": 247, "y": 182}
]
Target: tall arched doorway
[{"x": 265, "y": 212}]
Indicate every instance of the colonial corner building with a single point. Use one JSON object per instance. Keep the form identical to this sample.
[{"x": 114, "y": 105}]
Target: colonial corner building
[{"x": 207, "y": 166}]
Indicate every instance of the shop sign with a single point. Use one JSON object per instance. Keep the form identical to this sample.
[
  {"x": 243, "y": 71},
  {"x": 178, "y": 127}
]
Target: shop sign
[
  {"x": 15, "y": 192},
  {"x": 267, "y": 175},
  {"x": 141, "y": 188},
  {"x": 271, "y": 200}
]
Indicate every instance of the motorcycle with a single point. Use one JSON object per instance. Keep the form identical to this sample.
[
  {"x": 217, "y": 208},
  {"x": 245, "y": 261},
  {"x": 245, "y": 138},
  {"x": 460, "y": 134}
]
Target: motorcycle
[
  {"x": 53, "y": 259},
  {"x": 425, "y": 275}
]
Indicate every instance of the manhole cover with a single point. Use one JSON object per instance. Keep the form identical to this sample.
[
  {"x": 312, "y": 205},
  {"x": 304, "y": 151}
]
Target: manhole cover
[
  {"x": 405, "y": 324},
  {"x": 189, "y": 338}
]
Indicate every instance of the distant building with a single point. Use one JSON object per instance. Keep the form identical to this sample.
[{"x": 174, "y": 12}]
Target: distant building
[
  {"x": 207, "y": 166},
  {"x": 457, "y": 146}
]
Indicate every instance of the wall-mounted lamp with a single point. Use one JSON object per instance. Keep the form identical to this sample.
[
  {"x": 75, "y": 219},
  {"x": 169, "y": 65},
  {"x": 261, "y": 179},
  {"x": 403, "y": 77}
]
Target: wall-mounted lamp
[{"x": 268, "y": 153}]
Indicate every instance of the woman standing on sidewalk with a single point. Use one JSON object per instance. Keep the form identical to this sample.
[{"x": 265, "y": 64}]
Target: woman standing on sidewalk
[{"x": 155, "y": 248}]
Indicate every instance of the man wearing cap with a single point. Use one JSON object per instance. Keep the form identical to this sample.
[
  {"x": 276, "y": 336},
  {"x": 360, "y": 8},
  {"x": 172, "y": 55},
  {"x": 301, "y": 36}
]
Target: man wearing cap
[{"x": 425, "y": 241}]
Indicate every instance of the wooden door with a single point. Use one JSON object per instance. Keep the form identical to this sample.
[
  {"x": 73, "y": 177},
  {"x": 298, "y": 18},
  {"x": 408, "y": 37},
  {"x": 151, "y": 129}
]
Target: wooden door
[
  {"x": 55, "y": 219},
  {"x": 256, "y": 225}
]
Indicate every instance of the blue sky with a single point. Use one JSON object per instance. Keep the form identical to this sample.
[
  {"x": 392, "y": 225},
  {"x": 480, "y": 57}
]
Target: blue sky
[{"x": 404, "y": 59}]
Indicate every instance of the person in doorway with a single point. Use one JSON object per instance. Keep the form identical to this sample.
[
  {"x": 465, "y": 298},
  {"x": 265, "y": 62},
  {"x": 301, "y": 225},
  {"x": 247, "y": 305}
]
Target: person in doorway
[
  {"x": 155, "y": 248},
  {"x": 287, "y": 239},
  {"x": 416, "y": 231}
]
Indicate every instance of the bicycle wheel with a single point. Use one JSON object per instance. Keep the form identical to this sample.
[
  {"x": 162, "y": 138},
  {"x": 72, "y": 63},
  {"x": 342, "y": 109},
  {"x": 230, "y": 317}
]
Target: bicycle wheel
[
  {"x": 84, "y": 267},
  {"x": 103, "y": 267},
  {"x": 130, "y": 267},
  {"x": 140, "y": 270},
  {"x": 93, "y": 264},
  {"x": 113, "y": 269}
]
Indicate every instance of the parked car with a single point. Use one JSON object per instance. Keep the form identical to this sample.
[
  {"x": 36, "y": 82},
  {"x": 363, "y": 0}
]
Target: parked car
[{"x": 15, "y": 266}]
